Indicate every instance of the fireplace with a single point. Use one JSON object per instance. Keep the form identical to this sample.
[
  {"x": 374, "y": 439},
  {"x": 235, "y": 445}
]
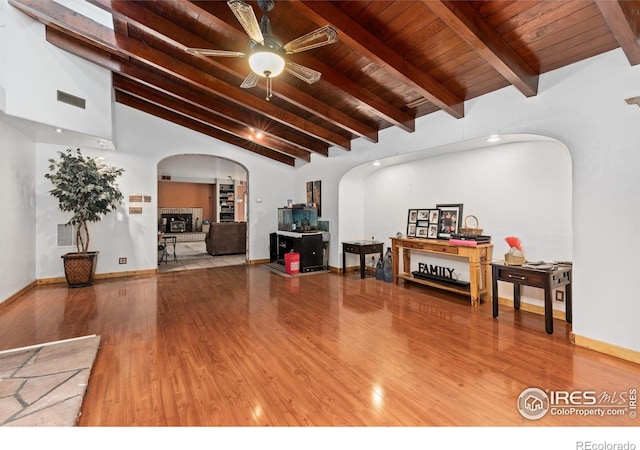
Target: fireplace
[
  {"x": 179, "y": 220},
  {"x": 177, "y": 223}
]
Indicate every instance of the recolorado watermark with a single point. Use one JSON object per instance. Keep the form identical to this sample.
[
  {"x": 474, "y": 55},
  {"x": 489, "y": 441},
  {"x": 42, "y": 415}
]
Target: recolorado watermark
[
  {"x": 590, "y": 445},
  {"x": 535, "y": 403}
]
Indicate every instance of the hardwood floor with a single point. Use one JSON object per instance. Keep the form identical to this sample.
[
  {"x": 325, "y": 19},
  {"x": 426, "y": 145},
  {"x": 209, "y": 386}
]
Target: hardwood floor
[{"x": 242, "y": 346}]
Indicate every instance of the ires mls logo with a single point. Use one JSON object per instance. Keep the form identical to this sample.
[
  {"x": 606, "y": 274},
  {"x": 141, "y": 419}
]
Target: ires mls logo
[{"x": 534, "y": 403}]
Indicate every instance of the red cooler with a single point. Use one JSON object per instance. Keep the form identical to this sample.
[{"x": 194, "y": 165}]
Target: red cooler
[{"x": 292, "y": 263}]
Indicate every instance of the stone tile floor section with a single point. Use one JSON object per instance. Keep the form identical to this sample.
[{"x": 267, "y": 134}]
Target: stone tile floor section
[
  {"x": 43, "y": 385},
  {"x": 193, "y": 255}
]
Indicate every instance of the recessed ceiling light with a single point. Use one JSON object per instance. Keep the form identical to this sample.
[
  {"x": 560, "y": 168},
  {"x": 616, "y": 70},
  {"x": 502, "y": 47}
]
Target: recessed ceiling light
[
  {"x": 58, "y": 130},
  {"x": 376, "y": 163},
  {"x": 494, "y": 138}
]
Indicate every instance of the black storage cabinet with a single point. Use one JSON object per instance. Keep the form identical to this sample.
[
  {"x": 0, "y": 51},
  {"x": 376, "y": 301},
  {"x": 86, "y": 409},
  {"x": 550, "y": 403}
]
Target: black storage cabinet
[{"x": 309, "y": 246}]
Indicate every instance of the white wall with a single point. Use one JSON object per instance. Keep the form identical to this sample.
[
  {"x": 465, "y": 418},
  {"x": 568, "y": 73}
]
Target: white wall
[
  {"x": 200, "y": 169},
  {"x": 520, "y": 188},
  {"x": 17, "y": 203},
  {"x": 583, "y": 107},
  {"x": 35, "y": 70}
]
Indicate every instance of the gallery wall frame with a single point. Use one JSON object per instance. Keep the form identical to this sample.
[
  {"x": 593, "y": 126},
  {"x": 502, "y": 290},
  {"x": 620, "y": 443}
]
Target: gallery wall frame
[
  {"x": 314, "y": 195},
  {"x": 424, "y": 223},
  {"x": 449, "y": 222}
]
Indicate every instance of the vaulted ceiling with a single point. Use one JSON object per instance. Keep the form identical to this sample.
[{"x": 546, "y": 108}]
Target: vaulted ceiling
[{"x": 392, "y": 62}]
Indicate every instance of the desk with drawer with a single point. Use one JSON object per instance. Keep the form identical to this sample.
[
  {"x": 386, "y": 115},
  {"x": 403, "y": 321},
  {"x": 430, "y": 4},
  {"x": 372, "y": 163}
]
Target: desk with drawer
[
  {"x": 539, "y": 278},
  {"x": 361, "y": 248}
]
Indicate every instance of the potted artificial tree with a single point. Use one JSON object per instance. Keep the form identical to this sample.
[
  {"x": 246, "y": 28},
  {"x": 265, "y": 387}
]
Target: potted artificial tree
[{"x": 87, "y": 188}]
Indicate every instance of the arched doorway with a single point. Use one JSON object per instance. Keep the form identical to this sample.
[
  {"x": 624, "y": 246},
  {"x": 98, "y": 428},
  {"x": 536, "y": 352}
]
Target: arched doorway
[{"x": 200, "y": 196}]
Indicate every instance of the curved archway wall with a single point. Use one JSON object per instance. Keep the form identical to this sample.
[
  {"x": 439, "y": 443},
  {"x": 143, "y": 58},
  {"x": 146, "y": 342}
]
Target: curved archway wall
[
  {"x": 205, "y": 169},
  {"x": 582, "y": 106},
  {"x": 521, "y": 187}
]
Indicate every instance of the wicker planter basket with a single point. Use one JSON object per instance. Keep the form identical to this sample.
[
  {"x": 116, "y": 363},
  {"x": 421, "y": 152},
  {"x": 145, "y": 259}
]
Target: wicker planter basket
[
  {"x": 79, "y": 268},
  {"x": 469, "y": 230}
]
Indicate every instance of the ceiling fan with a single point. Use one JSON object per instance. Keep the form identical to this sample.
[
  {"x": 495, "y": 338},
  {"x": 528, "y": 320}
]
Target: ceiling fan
[{"x": 267, "y": 55}]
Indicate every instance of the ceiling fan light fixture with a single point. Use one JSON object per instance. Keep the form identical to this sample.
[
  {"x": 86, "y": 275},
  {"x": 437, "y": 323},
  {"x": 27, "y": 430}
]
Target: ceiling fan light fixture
[{"x": 266, "y": 63}]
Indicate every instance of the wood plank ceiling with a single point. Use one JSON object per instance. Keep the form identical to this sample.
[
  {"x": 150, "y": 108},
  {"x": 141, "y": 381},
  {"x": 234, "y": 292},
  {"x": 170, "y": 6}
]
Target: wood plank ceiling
[{"x": 394, "y": 61}]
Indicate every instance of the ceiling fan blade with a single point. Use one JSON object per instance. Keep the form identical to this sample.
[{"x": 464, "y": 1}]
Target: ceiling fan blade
[
  {"x": 247, "y": 18},
  {"x": 322, "y": 36},
  {"x": 304, "y": 73},
  {"x": 251, "y": 80},
  {"x": 211, "y": 52}
]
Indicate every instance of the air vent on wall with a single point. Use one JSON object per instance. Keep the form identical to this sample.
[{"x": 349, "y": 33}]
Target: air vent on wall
[
  {"x": 66, "y": 235},
  {"x": 72, "y": 100},
  {"x": 165, "y": 177}
]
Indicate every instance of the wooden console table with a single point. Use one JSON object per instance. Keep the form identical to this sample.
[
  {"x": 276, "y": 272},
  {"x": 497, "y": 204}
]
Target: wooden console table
[
  {"x": 547, "y": 280},
  {"x": 479, "y": 258}
]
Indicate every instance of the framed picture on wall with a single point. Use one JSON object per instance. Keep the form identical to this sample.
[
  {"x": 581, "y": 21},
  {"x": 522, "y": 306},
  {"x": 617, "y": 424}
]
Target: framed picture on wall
[
  {"x": 449, "y": 221},
  {"x": 423, "y": 214},
  {"x": 317, "y": 196},
  {"x": 413, "y": 216},
  {"x": 314, "y": 195},
  {"x": 309, "y": 193}
]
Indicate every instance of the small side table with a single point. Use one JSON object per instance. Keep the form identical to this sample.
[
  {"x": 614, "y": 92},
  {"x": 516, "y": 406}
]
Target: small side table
[
  {"x": 166, "y": 240},
  {"x": 540, "y": 278},
  {"x": 362, "y": 248}
]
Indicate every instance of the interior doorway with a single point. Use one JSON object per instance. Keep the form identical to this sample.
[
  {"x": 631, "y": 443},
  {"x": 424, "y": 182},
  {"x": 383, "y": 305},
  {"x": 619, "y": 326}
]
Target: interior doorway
[{"x": 197, "y": 193}]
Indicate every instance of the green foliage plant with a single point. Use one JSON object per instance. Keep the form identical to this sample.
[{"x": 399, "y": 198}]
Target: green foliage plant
[{"x": 85, "y": 187}]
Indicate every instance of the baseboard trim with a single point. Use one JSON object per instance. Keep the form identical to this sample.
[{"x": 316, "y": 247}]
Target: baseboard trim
[
  {"x": 557, "y": 314},
  {"x": 252, "y": 262},
  {"x": 367, "y": 269},
  {"x": 132, "y": 273},
  {"x": 580, "y": 341},
  {"x": 608, "y": 349},
  {"x": 17, "y": 295},
  {"x": 101, "y": 276}
]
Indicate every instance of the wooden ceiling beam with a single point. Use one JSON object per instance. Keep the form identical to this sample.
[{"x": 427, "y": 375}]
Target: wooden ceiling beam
[
  {"x": 149, "y": 108},
  {"x": 189, "y": 94},
  {"x": 145, "y": 18},
  {"x": 482, "y": 38},
  {"x": 357, "y": 37},
  {"x": 621, "y": 28},
  {"x": 179, "y": 106},
  {"x": 55, "y": 15},
  {"x": 367, "y": 99},
  {"x": 330, "y": 77}
]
